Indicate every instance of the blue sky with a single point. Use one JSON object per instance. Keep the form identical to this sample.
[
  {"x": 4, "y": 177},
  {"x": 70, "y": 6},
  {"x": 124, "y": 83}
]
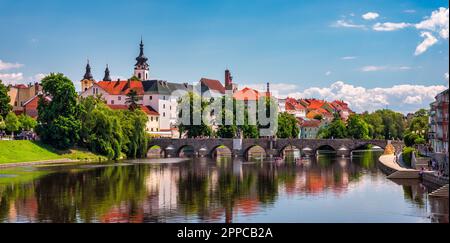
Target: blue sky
[{"x": 301, "y": 47}]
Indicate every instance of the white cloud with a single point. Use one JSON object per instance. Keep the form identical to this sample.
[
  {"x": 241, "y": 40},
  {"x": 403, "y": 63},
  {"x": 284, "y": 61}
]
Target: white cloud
[
  {"x": 347, "y": 24},
  {"x": 411, "y": 100},
  {"x": 382, "y": 68},
  {"x": 11, "y": 78},
  {"x": 370, "y": 16},
  {"x": 8, "y": 65},
  {"x": 429, "y": 41},
  {"x": 388, "y": 26},
  {"x": 348, "y": 58},
  {"x": 373, "y": 68},
  {"x": 446, "y": 76},
  {"x": 437, "y": 22},
  {"x": 38, "y": 77},
  {"x": 278, "y": 89},
  {"x": 403, "y": 98},
  {"x": 328, "y": 73}
]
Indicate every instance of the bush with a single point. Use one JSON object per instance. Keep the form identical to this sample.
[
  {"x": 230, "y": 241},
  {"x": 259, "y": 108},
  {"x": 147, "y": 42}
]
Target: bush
[
  {"x": 407, "y": 155},
  {"x": 420, "y": 141}
]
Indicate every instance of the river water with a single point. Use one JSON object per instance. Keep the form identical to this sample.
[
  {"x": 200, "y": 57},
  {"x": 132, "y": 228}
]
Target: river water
[{"x": 323, "y": 189}]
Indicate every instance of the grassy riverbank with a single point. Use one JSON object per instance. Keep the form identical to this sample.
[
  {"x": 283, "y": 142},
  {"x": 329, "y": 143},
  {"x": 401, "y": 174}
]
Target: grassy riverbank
[{"x": 29, "y": 151}]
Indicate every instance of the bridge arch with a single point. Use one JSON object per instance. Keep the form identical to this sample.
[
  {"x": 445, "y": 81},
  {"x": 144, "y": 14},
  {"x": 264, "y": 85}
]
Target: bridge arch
[
  {"x": 186, "y": 150},
  {"x": 325, "y": 147},
  {"x": 220, "y": 150},
  {"x": 256, "y": 151}
]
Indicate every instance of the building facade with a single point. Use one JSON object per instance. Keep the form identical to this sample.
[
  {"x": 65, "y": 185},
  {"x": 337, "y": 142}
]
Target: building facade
[{"x": 439, "y": 123}]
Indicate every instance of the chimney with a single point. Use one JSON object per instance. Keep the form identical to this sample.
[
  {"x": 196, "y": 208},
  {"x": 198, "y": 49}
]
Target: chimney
[{"x": 228, "y": 78}]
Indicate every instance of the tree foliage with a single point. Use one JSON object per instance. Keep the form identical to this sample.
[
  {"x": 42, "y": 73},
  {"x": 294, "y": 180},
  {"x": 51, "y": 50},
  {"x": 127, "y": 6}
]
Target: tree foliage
[
  {"x": 58, "y": 123},
  {"x": 132, "y": 100},
  {"x": 357, "y": 128},
  {"x": 12, "y": 123},
  {"x": 112, "y": 133},
  {"x": 187, "y": 108},
  {"x": 27, "y": 123},
  {"x": 5, "y": 107},
  {"x": 287, "y": 126}
]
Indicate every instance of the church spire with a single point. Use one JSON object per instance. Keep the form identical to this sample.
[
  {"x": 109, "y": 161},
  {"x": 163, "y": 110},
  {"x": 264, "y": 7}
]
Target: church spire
[
  {"x": 141, "y": 59},
  {"x": 88, "y": 74},
  {"x": 141, "y": 69},
  {"x": 107, "y": 76}
]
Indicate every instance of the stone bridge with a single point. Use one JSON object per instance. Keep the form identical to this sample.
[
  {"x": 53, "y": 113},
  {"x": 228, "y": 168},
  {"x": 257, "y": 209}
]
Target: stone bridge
[{"x": 272, "y": 147}]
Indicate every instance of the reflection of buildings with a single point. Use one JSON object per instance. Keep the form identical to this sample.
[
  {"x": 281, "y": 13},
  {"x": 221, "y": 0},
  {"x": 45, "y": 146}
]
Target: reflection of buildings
[
  {"x": 162, "y": 187},
  {"x": 316, "y": 180},
  {"x": 25, "y": 210}
]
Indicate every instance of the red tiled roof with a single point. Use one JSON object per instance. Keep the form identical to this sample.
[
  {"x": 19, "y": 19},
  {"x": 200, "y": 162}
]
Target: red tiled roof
[
  {"x": 122, "y": 87},
  {"x": 20, "y": 86},
  {"x": 311, "y": 123},
  {"x": 315, "y": 104},
  {"x": 249, "y": 94},
  {"x": 292, "y": 104},
  {"x": 147, "y": 109},
  {"x": 323, "y": 111},
  {"x": 213, "y": 84}
]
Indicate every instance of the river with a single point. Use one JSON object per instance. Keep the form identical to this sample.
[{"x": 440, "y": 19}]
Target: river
[{"x": 323, "y": 189}]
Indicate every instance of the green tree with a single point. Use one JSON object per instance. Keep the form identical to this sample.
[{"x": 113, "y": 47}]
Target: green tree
[
  {"x": 135, "y": 138},
  {"x": 419, "y": 124},
  {"x": 101, "y": 131},
  {"x": 224, "y": 130},
  {"x": 58, "y": 120},
  {"x": 191, "y": 129},
  {"x": 376, "y": 126},
  {"x": 287, "y": 126},
  {"x": 336, "y": 130},
  {"x": 27, "y": 123},
  {"x": 357, "y": 128},
  {"x": 134, "y": 78},
  {"x": 132, "y": 100},
  {"x": 2, "y": 124},
  {"x": 5, "y": 107},
  {"x": 12, "y": 123},
  {"x": 318, "y": 117}
]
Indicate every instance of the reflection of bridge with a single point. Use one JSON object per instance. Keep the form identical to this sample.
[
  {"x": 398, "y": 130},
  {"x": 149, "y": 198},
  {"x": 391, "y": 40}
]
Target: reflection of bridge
[{"x": 272, "y": 147}]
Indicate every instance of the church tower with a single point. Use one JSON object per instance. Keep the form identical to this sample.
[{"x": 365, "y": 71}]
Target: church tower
[
  {"x": 107, "y": 76},
  {"x": 141, "y": 69},
  {"x": 88, "y": 79}
]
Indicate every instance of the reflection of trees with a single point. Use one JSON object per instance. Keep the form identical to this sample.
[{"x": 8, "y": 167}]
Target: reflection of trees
[
  {"x": 414, "y": 194},
  {"x": 13, "y": 193},
  {"x": 193, "y": 190},
  {"x": 65, "y": 197}
]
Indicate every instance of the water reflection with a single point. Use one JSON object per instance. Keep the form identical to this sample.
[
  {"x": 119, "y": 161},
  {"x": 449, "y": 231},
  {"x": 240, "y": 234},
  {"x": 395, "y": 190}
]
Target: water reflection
[{"x": 221, "y": 190}]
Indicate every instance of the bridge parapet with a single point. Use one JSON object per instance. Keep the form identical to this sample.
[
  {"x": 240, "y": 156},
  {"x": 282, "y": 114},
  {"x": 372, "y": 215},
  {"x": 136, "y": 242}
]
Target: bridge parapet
[{"x": 343, "y": 147}]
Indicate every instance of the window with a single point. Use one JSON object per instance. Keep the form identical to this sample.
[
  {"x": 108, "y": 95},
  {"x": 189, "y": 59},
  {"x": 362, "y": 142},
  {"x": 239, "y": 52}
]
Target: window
[
  {"x": 164, "y": 114},
  {"x": 139, "y": 76},
  {"x": 151, "y": 97},
  {"x": 164, "y": 106},
  {"x": 164, "y": 97},
  {"x": 157, "y": 118},
  {"x": 151, "y": 118},
  {"x": 170, "y": 107},
  {"x": 15, "y": 103},
  {"x": 119, "y": 98},
  {"x": 152, "y": 129},
  {"x": 112, "y": 102}
]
